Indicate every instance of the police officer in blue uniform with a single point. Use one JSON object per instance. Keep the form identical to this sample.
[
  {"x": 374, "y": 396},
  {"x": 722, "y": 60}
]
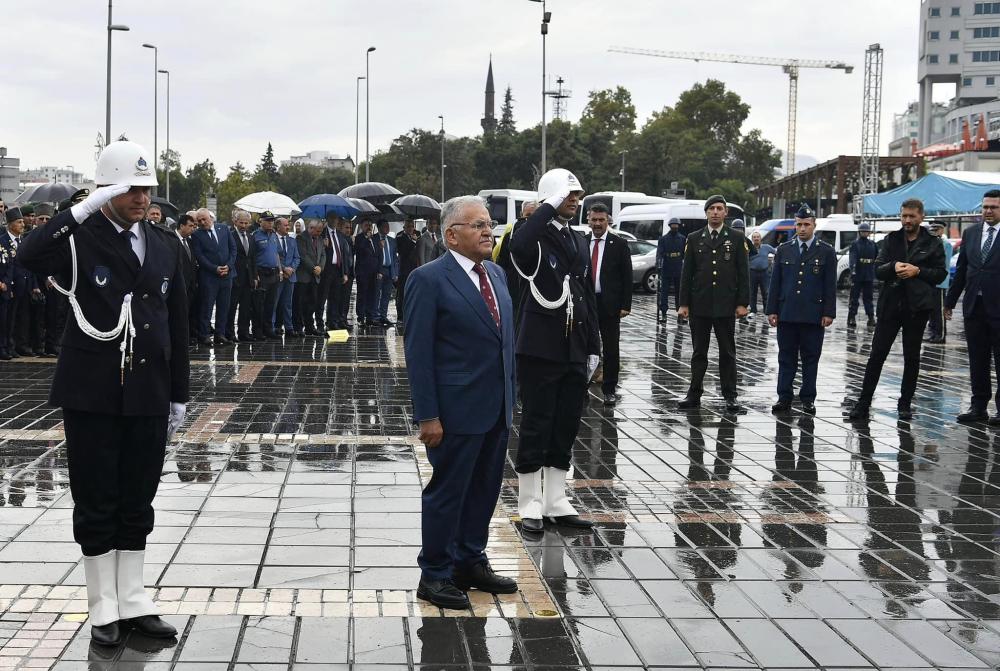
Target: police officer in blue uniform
[
  {"x": 265, "y": 242},
  {"x": 121, "y": 378},
  {"x": 801, "y": 302},
  {"x": 669, "y": 260},
  {"x": 861, "y": 257}
]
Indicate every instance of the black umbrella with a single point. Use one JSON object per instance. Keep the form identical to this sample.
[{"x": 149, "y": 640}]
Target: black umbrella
[
  {"x": 373, "y": 192},
  {"x": 366, "y": 209},
  {"x": 420, "y": 207},
  {"x": 46, "y": 193},
  {"x": 166, "y": 207},
  {"x": 390, "y": 212}
]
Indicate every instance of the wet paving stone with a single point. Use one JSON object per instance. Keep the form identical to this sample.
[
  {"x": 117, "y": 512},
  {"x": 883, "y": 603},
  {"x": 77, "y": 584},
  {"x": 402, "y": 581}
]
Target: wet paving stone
[{"x": 288, "y": 523}]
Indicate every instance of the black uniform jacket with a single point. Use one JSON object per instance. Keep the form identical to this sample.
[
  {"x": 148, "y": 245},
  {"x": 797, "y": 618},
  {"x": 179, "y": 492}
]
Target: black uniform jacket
[
  {"x": 715, "y": 278},
  {"x": 246, "y": 264},
  {"x": 88, "y": 375},
  {"x": 543, "y": 332},
  {"x": 616, "y": 275},
  {"x": 927, "y": 253}
]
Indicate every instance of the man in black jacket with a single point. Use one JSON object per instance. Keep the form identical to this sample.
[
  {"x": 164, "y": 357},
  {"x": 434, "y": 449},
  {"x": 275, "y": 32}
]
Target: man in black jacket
[
  {"x": 245, "y": 281},
  {"x": 406, "y": 249},
  {"x": 185, "y": 227},
  {"x": 910, "y": 265},
  {"x": 611, "y": 274},
  {"x": 715, "y": 291}
]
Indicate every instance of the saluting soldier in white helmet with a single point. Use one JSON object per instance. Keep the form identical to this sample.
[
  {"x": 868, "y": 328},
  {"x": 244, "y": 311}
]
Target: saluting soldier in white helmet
[
  {"x": 121, "y": 378},
  {"x": 557, "y": 349}
]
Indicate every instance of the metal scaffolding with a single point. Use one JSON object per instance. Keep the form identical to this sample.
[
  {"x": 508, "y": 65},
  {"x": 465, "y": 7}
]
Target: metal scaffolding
[{"x": 871, "y": 119}]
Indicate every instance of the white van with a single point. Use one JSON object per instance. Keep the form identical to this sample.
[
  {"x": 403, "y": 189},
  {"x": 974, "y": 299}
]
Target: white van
[
  {"x": 616, "y": 201},
  {"x": 649, "y": 222},
  {"x": 837, "y": 230},
  {"x": 505, "y": 205}
]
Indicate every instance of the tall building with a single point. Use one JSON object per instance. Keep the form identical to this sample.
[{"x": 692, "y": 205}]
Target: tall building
[
  {"x": 489, "y": 121},
  {"x": 8, "y": 176},
  {"x": 960, "y": 46},
  {"x": 906, "y": 128},
  {"x": 321, "y": 159},
  {"x": 50, "y": 173}
]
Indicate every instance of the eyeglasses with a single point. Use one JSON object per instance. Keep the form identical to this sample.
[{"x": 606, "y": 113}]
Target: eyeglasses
[{"x": 477, "y": 225}]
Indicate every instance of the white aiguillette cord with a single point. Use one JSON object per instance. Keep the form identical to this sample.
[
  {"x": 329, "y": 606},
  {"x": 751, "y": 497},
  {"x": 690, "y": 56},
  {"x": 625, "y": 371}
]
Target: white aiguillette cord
[
  {"x": 564, "y": 299},
  {"x": 125, "y": 324}
]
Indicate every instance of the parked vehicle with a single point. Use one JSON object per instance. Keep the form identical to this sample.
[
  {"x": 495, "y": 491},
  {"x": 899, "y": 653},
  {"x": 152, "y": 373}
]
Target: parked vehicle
[
  {"x": 837, "y": 230},
  {"x": 644, "y": 275},
  {"x": 615, "y": 202},
  {"x": 649, "y": 222},
  {"x": 504, "y": 205}
]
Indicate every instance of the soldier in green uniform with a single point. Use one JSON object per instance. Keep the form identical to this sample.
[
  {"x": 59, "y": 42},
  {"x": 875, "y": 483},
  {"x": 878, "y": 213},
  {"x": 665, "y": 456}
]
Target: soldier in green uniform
[{"x": 715, "y": 291}]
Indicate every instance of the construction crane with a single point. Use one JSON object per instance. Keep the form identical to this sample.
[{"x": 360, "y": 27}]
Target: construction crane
[{"x": 789, "y": 66}]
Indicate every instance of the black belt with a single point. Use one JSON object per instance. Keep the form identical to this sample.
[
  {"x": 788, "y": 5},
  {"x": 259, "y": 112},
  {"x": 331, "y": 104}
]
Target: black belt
[{"x": 264, "y": 270}]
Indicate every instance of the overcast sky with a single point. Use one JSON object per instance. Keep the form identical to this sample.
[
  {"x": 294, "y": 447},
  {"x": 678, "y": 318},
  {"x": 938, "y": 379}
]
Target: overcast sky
[{"x": 245, "y": 72}]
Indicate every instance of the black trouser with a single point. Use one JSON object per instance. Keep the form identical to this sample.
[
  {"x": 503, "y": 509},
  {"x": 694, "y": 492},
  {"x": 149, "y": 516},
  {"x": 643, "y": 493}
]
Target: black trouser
[
  {"x": 329, "y": 292},
  {"x": 891, "y": 319},
  {"x": 861, "y": 288},
  {"x": 267, "y": 301},
  {"x": 725, "y": 337},
  {"x": 982, "y": 335},
  {"x": 400, "y": 291},
  {"x": 364, "y": 306},
  {"x": 938, "y": 326},
  {"x": 610, "y": 327},
  {"x": 241, "y": 311},
  {"x": 306, "y": 304},
  {"x": 5, "y": 309},
  {"x": 28, "y": 322},
  {"x": 114, "y": 470},
  {"x": 552, "y": 396},
  {"x": 194, "y": 312},
  {"x": 56, "y": 309},
  {"x": 670, "y": 285},
  {"x": 758, "y": 281},
  {"x": 345, "y": 299}
]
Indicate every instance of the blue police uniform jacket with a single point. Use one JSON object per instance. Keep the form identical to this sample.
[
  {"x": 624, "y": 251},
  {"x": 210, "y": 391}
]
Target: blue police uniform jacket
[
  {"x": 266, "y": 247},
  {"x": 670, "y": 253},
  {"x": 88, "y": 374},
  {"x": 803, "y": 286},
  {"x": 861, "y": 256}
]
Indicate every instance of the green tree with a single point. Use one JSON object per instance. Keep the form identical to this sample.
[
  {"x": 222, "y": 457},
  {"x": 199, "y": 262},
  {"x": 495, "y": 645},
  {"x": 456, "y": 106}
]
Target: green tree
[
  {"x": 267, "y": 168},
  {"x": 606, "y": 128},
  {"x": 507, "y": 125}
]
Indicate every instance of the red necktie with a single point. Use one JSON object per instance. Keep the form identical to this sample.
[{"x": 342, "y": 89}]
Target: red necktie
[
  {"x": 593, "y": 260},
  {"x": 487, "y": 292}
]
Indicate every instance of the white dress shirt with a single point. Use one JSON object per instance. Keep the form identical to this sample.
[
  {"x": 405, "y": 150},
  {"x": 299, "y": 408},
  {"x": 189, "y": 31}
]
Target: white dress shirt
[
  {"x": 138, "y": 240},
  {"x": 468, "y": 265},
  {"x": 332, "y": 236},
  {"x": 986, "y": 235},
  {"x": 603, "y": 242}
]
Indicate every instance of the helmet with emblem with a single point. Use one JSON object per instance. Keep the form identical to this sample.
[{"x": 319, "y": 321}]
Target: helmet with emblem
[
  {"x": 555, "y": 181},
  {"x": 125, "y": 162}
]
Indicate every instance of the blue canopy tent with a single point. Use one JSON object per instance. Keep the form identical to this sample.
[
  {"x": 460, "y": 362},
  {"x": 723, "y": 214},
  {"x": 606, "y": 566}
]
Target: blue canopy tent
[{"x": 942, "y": 192}]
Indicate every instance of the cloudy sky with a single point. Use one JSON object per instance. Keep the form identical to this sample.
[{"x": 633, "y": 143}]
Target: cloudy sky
[{"x": 245, "y": 72}]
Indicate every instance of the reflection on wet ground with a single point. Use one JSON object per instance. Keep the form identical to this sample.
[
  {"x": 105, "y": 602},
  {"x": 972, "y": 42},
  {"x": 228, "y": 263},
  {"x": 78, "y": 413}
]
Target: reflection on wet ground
[{"x": 288, "y": 523}]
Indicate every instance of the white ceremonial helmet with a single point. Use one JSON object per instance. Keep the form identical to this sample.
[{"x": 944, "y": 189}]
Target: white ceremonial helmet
[
  {"x": 125, "y": 162},
  {"x": 555, "y": 181}
]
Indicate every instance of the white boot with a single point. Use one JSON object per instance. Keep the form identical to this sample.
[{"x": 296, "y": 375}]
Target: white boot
[
  {"x": 556, "y": 503},
  {"x": 529, "y": 495},
  {"x": 132, "y": 598},
  {"x": 102, "y": 588}
]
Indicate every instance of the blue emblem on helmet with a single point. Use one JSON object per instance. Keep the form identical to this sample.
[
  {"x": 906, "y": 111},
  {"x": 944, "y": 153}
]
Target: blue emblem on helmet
[{"x": 141, "y": 164}]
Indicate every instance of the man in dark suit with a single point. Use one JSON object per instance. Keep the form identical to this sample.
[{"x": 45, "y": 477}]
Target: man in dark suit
[
  {"x": 715, "y": 291},
  {"x": 288, "y": 263},
  {"x": 336, "y": 259},
  {"x": 558, "y": 347},
  {"x": 215, "y": 249},
  {"x": 388, "y": 273},
  {"x": 366, "y": 265},
  {"x": 460, "y": 361},
  {"x": 123, "y": 392},
  {"x": 307, "y": 298},
  {"x": 344, "y": 302},
  {"x": 189, "y": 265},
  {"x": 6, "y": 292},
  {"x": 801, "y": 302},
  {"x": 22, "y": 281},
  {"x": 977, "y": 274},
  {"x": 406, "y": 250},
  {"x": 241, "y": 298},
  {"x": 611, "y": 274},
  {"x": 910, "y": 265}
]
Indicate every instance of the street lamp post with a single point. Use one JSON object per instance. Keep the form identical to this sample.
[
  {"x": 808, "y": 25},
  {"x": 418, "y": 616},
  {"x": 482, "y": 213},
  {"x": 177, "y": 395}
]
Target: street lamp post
[
  {"x": 357, "y": 123},
  {"x": 167, "y": 73},
  {"x": 107, "y": 111},
  {"x": 623, "y": 152},
  {"x": 156, "y": 87},
  {"x": 367, "y": 112},
  {"x": 442, "y": 156},
  {"x": 546, "y": 17}
]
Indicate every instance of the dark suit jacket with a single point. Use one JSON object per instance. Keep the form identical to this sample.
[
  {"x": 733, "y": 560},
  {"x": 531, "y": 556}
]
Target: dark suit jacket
[
  {"x": 465, "y": 387},
  {"x": 715, "y": 278},
  {"x": 975, "y": 275},
  {"x": 616, "y": 276},
  {"x": 803, "y": 287},
  {"x": 542, "y": 331},
  {"x": 366, "y": 254},
  {"x": 189, "y": 266},
  {"x": 311, "y": 255},
  {"x": 406, "y": 248},
  {"x": 88, "y": 376},
  {"x": 211, "y": 255},
  {"x": 21, "y": 280},
  {"x": 246, "y": 263},
  {"x": 927, "y": 253},
  {"x": 347, "y": 244},
  {"x": 390, "y": 242}
]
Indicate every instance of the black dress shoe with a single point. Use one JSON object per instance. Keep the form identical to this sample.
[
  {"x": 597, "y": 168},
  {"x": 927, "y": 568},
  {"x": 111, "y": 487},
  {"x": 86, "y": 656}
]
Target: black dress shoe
[
  {"x": 386, "y": 323},
  {"x": 442, "y": 593},
  {"x": 871, "y": 322},
  {"x": 852, "y": 323},
  {"x": 859, "y": 411},
  {"x": 904, "y": 410},
  {"x": 151, "y": 625},
  {"x": 38, "y": 352},
  {"x": 689, "y": 402},
  {"x": 207, "y": 342},
  {"x": 5, "y": 356},
  {"x": 294, "y": 334},
  {"x": 50, "y": 355},
  {"x": 732, "y": 405},
  {"x": 532, "y": 525},
  {"x": 106, "y": 634},
  {"x": 809, "y": 407},
  {"x": 311, "y": 332},
  {"x": 611, "y": 399},
  {"x": 972, "y": 415},
  {"x": 482, "y": 577},
  {"x": 781, "y": 407},
  {"x": 220, "y": 340},
  {"x": 937, "y": 340},
  {"x": 22, "y": 351},
  {"x": 574, "y": 521},
  {"x": 994, "y": 420}
]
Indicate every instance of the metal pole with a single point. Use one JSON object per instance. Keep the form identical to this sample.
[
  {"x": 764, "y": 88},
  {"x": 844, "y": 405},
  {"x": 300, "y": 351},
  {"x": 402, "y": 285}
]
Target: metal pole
[
  {"x": 367, "y": 113},
  {"x": 545, "y": 31},
  {"x": 357, "y": 124},
  {"x": 442, "y": 156},
  {"x": 624, "y": 151},
  {"x": 167, "y": 73},
  {"x": 107, "y": 104},
  {"x": 156, "y": 87}
]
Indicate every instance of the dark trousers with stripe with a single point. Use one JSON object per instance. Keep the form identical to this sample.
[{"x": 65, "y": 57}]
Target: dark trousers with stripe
[{"x": 798, "y": 342}]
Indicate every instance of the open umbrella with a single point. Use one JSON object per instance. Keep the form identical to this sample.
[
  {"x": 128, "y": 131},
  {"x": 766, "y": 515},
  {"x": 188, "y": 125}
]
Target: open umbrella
[
  {"x": 364, "y": 208},
  {"x": 268, "y": 201},
  {"x": 390, "y": 212},
  {"x": 167, "y": 208},
  {"x": 51, "y": 192},
  {"x": 420, "y": 207},
  {"x": 373, "y": 192},
  {"x": 322, "y": 204}
]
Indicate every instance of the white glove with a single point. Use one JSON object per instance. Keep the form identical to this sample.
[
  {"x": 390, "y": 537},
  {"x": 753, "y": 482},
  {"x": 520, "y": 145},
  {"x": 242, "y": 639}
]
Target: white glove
[
  {"x": 176, "y": 418},
  {"x": 96, "y": 200},
  {"x": 592, "y": 361},
  {"x": 557, "y": 200}
]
